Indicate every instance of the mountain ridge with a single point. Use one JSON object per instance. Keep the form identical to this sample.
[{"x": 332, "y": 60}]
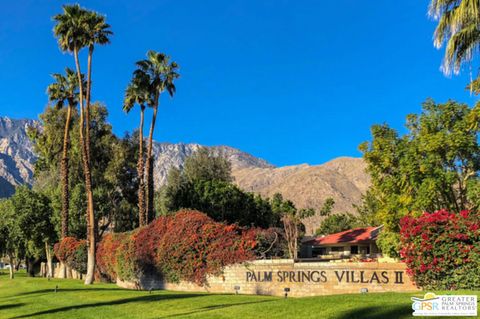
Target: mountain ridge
[{"x": 343, "y": 178}]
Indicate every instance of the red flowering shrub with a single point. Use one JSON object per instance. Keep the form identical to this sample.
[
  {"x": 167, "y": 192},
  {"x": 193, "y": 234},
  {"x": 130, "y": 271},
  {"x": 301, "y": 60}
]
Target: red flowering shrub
[
  {"x": 73, "y": 253},
  {"x": 442, "y": 249},
  {"x": 106, "y": 255},
  {"x": 194, "y": 246},
  {"x": 147, "y": 239},
  {"x": 186, "y": 246},
  {"x": 126, "y": 266}
]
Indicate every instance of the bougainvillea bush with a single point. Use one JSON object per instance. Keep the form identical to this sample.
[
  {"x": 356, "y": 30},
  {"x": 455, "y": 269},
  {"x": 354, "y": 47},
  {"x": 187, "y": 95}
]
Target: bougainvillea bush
[
  {"x": 188, "y": 245},
  {"x": 73, "y": 253},
  {"x": 442, "y": 249}
]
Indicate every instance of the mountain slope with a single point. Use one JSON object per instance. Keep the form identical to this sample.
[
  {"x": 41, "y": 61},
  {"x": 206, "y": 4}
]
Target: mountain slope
[
  {"x": 16, "y": 154},
  {"x": 344, "y": 179},
  {"x": 168, "y": 155}
]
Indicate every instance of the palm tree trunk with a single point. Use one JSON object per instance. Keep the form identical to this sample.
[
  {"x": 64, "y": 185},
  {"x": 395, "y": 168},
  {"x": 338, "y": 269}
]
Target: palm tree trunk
[
  {"x": 91, "y": 225},
  {"x": 141, "y": 173},
  {"x": 48, "y": 254},
  {"x": 87, "y": 108},
  {"x": 64, "y": 172},
  {"x": 149, "y": 167},
  {"x": 10, "y": 260},
  {"x": 88, "y": 181}
]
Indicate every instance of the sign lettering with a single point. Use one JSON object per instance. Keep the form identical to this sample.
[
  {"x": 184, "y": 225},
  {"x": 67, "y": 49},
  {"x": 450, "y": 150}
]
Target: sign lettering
[{"x": 322, "y": 276}]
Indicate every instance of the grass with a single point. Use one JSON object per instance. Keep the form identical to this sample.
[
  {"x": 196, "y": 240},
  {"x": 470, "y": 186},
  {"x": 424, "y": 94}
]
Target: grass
[{"x": 26, "y": 297}]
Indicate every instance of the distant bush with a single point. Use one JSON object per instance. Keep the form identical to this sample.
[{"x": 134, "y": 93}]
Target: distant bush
[
  {"x": 442, "y": 249},
  {"x": 73, "y": 253},
  {"x": 188, "y": 246}
]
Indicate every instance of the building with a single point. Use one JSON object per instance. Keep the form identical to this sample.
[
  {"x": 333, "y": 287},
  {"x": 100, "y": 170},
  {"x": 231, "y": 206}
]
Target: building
[{"x": 352, "y": 243}]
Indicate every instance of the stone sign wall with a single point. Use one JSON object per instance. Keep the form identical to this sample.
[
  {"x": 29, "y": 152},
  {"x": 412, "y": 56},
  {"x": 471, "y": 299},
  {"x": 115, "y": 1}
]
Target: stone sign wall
[{"x": 273, "y": 277}]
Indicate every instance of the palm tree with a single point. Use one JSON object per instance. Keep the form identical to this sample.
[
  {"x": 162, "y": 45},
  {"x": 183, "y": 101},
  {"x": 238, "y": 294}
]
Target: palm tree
[
  {"x": 161, "y": 74},
  {"x": 65, "y": 89},
  {"x": 458, "y": 27},
  {"x": 77, "y": 28},
  {"x": 137, "y": 92}
]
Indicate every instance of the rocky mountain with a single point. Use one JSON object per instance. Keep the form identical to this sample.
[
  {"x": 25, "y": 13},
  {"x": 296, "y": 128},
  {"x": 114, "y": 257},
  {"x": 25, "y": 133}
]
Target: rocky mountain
[
  {"x": 343, "y": 178},
  {"x": 168, "y": 155},
  {"x": 16, "y": 154}
]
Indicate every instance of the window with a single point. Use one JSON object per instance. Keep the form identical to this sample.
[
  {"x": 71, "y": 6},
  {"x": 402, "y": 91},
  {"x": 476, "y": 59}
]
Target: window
[
  {"x": 354, "y": 250},
  {"x": 319, "y": 251},
  {"x": 365, "y": 250},
  {"x": 336, "y": 249}
]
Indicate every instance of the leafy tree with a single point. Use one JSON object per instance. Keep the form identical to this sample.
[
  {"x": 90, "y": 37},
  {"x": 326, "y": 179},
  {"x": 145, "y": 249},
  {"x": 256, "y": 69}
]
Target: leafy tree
[
  {"x": 122, "y": 182},
  {"x": 65, "y": 91},
  {"x": 137, "y": 92},
  {"x": 114, "y": 175},
  {"x": 205, "y": 184},
  {"x": 221, "y": 201},
  {"x": 33, "y": 215},
  {"x": 327, "y": 207},
  {"x": 337, "y": 223},
  {"x": 292, "y": 221},
  {"x": 77, "y": 28},
  {"x": 11, "y": 243},
  {"x": 160, "y": 74},
  {"x": 205, "y": 165},
  {"x": 434, "y": 166},
  {"x": 367, "y": 210}
]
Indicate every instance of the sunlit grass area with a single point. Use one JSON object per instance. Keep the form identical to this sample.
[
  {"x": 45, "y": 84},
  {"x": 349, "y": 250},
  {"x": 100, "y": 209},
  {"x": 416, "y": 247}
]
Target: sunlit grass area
[{"x": 36, "y": 298}]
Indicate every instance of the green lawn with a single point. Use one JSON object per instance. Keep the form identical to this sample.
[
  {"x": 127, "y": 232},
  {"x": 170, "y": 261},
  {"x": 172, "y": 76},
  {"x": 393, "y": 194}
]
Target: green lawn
[{"x": 35, "y": 298}]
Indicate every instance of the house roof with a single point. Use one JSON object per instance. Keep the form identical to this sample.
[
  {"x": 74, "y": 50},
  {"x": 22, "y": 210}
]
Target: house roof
[{"x": 351, "y": 236}]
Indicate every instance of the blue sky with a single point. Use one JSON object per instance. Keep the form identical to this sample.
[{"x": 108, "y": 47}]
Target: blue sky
[{"x": 289, "y": 81}]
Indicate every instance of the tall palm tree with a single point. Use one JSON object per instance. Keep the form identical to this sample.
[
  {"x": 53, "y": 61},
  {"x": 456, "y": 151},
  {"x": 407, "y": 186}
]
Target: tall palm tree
[
  {"x": 458, "y": 27},
  {"x": 137, "y": 92},
  {"x": 65, "y": 90},
  {"x": 97, "y": 32},
  {"x": 161, "y": 74},
  {"x": 75, "y": 29}
]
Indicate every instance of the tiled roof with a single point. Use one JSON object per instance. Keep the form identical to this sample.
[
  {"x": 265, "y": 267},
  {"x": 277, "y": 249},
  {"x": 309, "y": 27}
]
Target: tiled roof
[{"x": 353, "y": 236}]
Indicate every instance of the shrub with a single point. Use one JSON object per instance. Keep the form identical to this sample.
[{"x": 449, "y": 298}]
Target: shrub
[
  {"x": 186, "y": 246},
  {"x": 442, "y": 249},
  {"x": 106, "y": 255},
  {"x": 147, "y": 240},
  {"x": 194, "y": 246},
  {"x": 73, "y": 253},
  {"x": 125, "y": 259}
]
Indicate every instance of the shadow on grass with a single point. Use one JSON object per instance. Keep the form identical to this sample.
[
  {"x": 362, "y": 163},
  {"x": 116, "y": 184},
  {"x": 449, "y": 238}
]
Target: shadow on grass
[
  {"x": 378, "y": 312},
  {"x": 215, "y": 307},
  {"x": 3, "y": 307},
  {"x": 60, "y": 290},
  {"x": 148, "y": 298}
]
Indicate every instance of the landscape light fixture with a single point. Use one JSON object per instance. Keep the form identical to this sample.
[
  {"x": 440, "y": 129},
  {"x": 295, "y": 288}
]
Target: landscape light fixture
[
  {"x": 150, "y": 290},
  {"x": 56, "y": 288},
  {"x": 363, "y": 290},
  {"x": 237, "y": 288},
  {"x": 287, "y": 290}
]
